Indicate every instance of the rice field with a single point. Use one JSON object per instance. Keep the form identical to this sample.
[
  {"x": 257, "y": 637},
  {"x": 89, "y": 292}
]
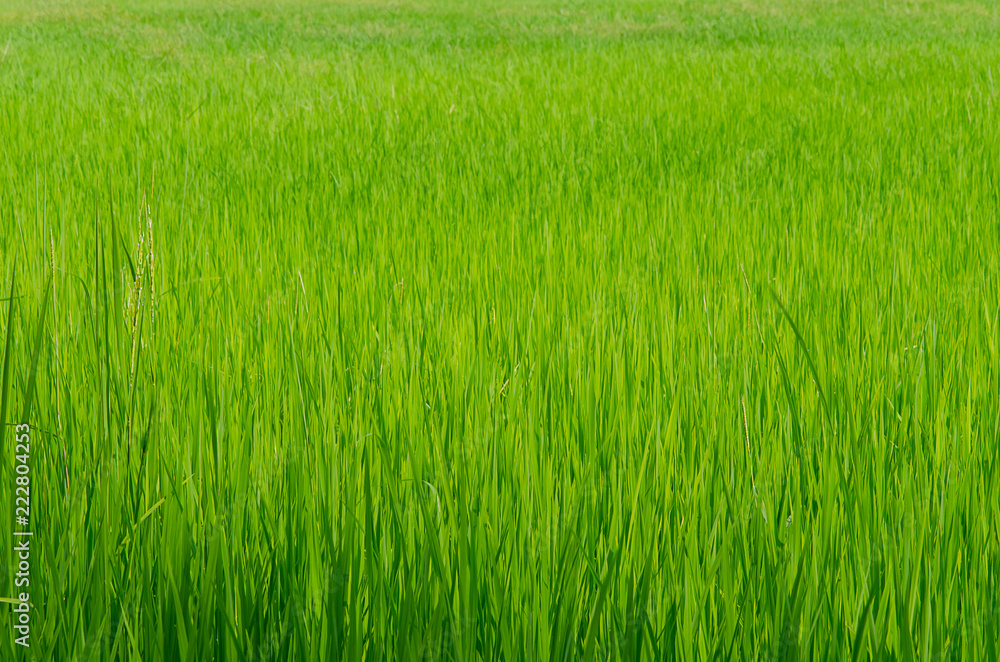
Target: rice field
[{"x": 540, "y": 330}]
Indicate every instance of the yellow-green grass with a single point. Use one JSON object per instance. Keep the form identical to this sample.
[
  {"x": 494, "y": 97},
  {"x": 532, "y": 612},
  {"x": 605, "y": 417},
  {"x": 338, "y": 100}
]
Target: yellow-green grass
[{"x": 522, "y": 331}]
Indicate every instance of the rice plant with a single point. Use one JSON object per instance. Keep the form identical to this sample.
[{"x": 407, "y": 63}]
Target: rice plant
[{"x": 501, "y": 331}]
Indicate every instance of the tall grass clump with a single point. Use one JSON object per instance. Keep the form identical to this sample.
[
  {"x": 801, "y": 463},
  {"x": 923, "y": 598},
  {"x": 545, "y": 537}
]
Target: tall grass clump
[{"x": 471, "y": 331}]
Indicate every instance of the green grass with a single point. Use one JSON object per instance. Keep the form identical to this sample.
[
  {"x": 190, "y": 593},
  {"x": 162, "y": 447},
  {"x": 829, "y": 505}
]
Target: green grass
[{"x": 522, "y": 331}]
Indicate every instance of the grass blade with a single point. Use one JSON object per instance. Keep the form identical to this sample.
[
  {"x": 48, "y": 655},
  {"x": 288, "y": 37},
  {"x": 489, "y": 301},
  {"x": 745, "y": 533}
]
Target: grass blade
[
  {"x": 29, "y": 392},
  {"x": 5, "y": 387},
  {"x": 595, "y": 618}
]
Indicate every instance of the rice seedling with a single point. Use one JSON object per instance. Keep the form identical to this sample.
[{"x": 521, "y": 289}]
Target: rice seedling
[{"x": 481, "y": 331}]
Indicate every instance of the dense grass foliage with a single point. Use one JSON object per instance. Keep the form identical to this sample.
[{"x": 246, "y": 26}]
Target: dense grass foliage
[{"x": 539, "y": 331}]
